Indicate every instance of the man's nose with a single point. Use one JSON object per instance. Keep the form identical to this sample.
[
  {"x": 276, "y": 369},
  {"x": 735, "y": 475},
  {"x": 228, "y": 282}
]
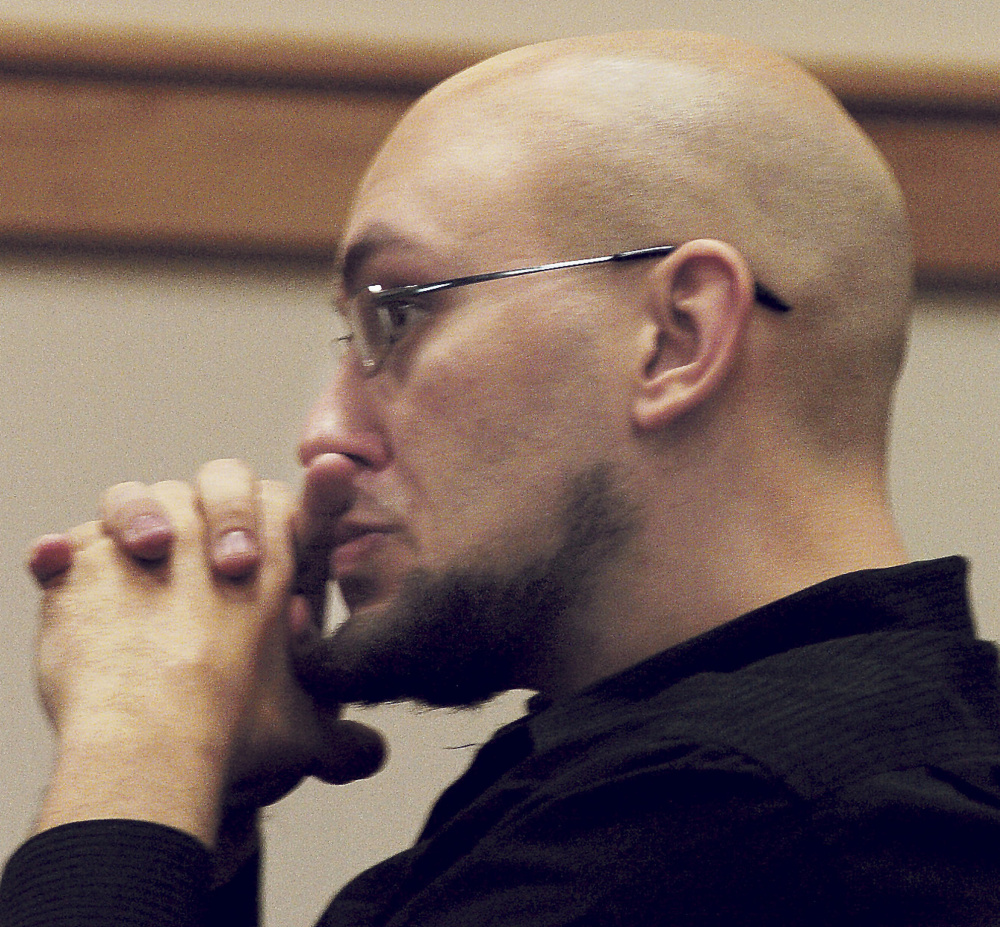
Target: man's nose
[{"x": 344, "y": 421}]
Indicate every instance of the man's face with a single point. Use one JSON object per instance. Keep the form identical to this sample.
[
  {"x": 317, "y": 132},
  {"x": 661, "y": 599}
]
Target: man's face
[{"x": 467, "y": 493}]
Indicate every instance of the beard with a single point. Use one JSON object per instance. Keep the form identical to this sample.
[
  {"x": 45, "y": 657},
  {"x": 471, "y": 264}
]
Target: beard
[{"x": 460, "y": 636}]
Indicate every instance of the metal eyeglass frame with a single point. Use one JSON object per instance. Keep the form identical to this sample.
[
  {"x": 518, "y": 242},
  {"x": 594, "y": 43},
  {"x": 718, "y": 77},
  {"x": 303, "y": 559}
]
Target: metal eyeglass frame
[{"x": 372, "y": 304}]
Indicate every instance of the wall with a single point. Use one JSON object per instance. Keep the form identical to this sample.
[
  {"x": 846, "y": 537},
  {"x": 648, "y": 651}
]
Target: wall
[
  {"x": 944, "y": 468},
  {"x": 963, "y": 31}
]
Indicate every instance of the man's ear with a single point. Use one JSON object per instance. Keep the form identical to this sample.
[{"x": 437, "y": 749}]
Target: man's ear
[{"x": 699, "y": 304}]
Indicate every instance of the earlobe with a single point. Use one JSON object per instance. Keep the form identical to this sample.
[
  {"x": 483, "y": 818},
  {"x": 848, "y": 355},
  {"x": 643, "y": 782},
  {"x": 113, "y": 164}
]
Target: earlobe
[{"x": 699, "y": 303}]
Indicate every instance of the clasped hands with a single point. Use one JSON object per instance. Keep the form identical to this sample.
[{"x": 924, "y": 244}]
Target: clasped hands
[{"x": 164, "y": 657}]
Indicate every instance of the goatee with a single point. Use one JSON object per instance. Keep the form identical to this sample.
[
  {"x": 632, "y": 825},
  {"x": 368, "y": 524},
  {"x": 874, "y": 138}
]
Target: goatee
[{"x": 459, "y": 637}]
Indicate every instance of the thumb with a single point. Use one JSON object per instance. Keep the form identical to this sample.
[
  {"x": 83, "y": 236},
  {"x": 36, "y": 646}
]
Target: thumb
[{"x": 349, "y": 750}]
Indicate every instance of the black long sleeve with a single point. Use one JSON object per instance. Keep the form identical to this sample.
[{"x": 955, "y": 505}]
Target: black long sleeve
[{"x": 126, "y": 873}]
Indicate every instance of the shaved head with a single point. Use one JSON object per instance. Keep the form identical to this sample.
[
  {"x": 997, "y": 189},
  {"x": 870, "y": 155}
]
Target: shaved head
[
  {"x": 625, "y": 141},
  {"x": 744, "y": 445}
]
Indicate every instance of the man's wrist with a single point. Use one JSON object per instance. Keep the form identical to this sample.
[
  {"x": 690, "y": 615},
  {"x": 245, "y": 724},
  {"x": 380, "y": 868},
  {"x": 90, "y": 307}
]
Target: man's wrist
[{"x": 136, "y": 776}]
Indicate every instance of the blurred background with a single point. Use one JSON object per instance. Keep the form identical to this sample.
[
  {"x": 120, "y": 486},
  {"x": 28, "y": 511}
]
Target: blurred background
[{"x": 172, "y": 176}]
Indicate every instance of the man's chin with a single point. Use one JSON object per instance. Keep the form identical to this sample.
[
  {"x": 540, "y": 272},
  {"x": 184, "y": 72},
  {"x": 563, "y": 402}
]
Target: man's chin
[
  {"x": 462, "y": 635},
  {"x": 434, "y": 642}
]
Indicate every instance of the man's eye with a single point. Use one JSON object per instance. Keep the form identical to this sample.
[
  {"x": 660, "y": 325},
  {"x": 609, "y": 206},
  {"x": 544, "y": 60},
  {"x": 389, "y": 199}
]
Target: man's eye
[{"x": 394, "y": 315}]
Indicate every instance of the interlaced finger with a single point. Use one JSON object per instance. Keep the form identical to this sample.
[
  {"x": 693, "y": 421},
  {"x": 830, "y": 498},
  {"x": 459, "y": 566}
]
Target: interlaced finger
[
  {"x": 131, "y": 514},
  {"x": 228, "y": 496}
]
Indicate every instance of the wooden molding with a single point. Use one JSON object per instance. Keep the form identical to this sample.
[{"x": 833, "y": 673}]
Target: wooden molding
[{"x": 253, "y": 145}]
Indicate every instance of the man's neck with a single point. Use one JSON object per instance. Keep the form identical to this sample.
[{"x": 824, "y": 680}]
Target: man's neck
[{"x": 675, "y": 586}]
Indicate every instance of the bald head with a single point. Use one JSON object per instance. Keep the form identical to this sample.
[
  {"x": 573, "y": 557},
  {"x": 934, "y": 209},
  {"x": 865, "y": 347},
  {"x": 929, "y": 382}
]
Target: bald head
[
  {"x": 625, "y": 141},
  {"x": 743, "y": 447}
]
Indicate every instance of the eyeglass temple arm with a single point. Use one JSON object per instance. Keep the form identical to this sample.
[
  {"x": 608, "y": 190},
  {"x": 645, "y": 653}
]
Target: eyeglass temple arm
[{"x": 764, "y": 296}]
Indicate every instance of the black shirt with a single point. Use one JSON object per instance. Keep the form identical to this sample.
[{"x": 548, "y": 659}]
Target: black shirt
[{"x": 831, "y": 758}]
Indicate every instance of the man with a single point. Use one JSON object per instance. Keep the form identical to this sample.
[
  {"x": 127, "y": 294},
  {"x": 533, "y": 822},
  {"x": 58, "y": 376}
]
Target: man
[{"x": 650, "y": 486}]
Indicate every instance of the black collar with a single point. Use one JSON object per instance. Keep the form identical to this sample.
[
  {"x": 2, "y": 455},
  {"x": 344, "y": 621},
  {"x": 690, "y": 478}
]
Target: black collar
[{"x": 927, "y": 595}]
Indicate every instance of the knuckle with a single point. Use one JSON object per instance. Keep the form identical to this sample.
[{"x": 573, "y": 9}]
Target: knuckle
[
  {"x": 173, "y": 494},
  {"x": 122, "y": 496},
  {"x": 126, "y": 489},
  {"x": 225, "y": 469},
  {"x": 177, "y": 499},
  {"x": 230, "y": 514},
  {"x": 86, "y": 535},
  {"x": 228, "y": 494}
]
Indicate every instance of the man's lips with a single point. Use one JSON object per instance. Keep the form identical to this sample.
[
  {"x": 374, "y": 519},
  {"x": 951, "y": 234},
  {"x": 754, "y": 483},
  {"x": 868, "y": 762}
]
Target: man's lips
[
  {"x": 341, "y": 551},
  {"x": 353, "y": 545}
]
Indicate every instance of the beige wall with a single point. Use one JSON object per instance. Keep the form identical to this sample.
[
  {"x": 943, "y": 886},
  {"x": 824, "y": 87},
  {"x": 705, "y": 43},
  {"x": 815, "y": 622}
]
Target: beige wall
[
  {"x": 945, "y": 469},
  {"x": 962, "y": 31},
  {"x": 122, "y": 368}
]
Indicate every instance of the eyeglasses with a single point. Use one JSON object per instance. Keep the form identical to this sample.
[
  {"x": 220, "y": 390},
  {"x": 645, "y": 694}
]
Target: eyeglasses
[{"x": 378, "y": 318}]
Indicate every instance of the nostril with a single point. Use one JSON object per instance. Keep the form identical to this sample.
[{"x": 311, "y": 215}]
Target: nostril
[
  {"x": 345, "y": 420},
  {"x": 362, "y": 447}
]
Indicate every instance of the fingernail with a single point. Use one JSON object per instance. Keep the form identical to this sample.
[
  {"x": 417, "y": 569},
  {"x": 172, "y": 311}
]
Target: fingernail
[
  {"x": 144, "y": 527},
  {"x": 234, "y": 544}
]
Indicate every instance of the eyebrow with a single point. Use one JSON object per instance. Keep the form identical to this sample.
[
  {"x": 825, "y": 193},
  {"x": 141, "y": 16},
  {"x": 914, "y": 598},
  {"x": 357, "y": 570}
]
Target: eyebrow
[{"x": 364, "y": 248}]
